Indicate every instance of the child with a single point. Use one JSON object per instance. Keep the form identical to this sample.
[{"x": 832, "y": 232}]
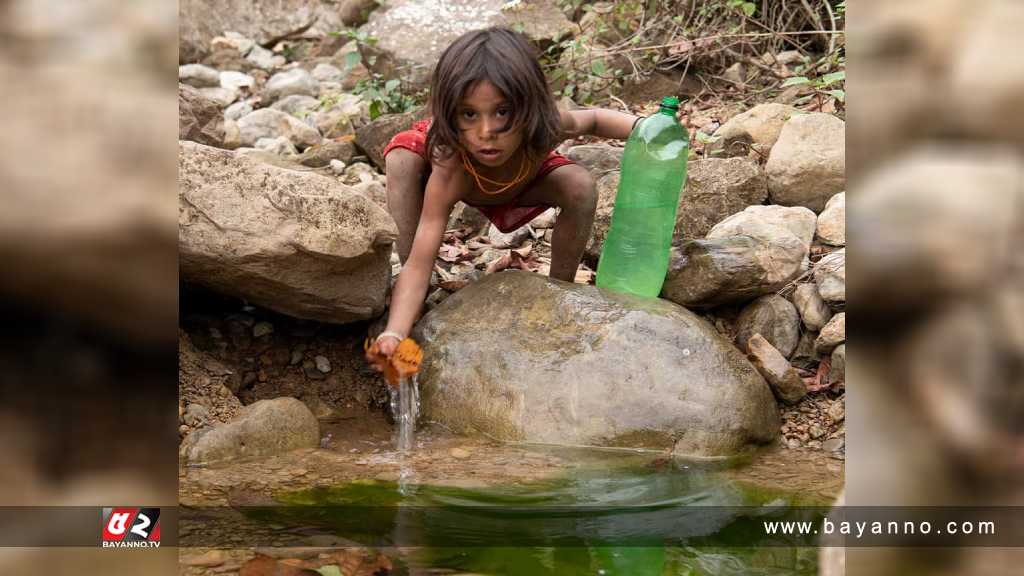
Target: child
[{"x": 490, "y": 144}]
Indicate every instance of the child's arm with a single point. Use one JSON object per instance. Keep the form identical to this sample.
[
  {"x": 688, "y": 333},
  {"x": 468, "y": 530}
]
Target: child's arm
[
  {"x": 444, "y": 189},
  {"x": 597, "y": 122}
]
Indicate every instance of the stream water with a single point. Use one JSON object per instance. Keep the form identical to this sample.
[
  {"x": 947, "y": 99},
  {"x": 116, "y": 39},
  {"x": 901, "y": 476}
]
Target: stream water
[
  {"x": 616, "y": 514},
  {"x": 405, "y": 408}
]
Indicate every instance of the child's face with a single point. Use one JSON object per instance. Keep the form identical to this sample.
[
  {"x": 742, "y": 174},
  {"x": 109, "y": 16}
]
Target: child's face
[{"x": 482, "y": 116}]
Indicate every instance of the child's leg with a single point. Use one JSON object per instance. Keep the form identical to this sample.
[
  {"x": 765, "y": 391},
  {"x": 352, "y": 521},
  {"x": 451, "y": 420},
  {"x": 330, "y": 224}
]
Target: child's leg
[
  {"x": 571, "y": 188},
  {"x": 405, "y": 170}
]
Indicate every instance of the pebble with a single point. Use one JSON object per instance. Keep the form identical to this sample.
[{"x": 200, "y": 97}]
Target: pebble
[
  {"x": 816, "y": 431},
  {"x": 338, "y": 167},
  {"x": 262, "y": 329},
  {"x": 296, "y": 357},
  {"x": 323, "y": 364},
  {"x": 459, "y": 453},
  {"x": 834, "y": 445}
]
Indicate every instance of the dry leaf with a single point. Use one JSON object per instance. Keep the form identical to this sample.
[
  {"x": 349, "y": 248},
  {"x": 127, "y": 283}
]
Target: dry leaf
[
  {"x": 499, "y": 264},
  {"x": 524, "y": 250},
  {"x": 451, "y": 252},
  {"x": 815, "y": 383}
]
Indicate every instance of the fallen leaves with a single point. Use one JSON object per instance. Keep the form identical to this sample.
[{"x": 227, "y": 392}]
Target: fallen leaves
[{"x": 819, "y": 381}]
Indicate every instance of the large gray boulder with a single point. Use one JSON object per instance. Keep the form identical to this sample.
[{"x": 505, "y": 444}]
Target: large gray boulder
[
  {"x": 295, "y": 242},
  {"x": 263, "y": 428},
  {"x": 807, "y": 165},
  {"x": 715, "y": 189},
  {"x": 768, "y": 223},
  {"x": 413, "y": 33},
  {"x": 264, "y": 21},
  {"x": 734, "y": 269},
  {"x": 518, "y": 356},
  {"x": 757, "y": 128},
  {"x": 199, "y": 118}
]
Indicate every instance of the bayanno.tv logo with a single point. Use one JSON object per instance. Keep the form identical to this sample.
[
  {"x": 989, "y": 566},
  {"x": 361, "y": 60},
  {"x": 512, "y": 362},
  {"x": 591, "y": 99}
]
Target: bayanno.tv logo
[{"x": 125, "y": 527}]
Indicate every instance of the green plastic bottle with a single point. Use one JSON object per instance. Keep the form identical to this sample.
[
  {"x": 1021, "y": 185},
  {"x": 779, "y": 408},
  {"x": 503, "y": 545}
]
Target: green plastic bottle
[{"x": 635, "y": 255}]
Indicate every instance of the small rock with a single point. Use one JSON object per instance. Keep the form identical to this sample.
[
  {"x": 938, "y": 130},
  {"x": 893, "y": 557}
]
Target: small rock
[
  {"x": 296, "y": 357},
  {"x": 233, "y": 40},
  {"x": 183, "y": 429},
  {"x": 459, "y": 453},
  {"x": 223, "y": 97},
  {"x": 322, "y": 364},
  {"x": 735, "y": 73},
  {"x": 262, "y": 329},
  {"x": 833, "y": 445},
  {"x": 781, "y": 376},
  {"x": 830, "y": 276},
  {"x": 813, "y": 310},
  {"x": 832, "y": 221},
  {"x": 338, "y": 167},
  {"x": 310, "y": 369},
  {"x": 773, "y": 317},
  {"x": 816, "y": 431},
  {"x": 232, "y": 135},
  {"x": 832, "y": 335},
  {"x": 265, "y": 59},
  {"x": 238, "y": 110},
  {"x": 327, "y": 73},
  {"x": 512, "y": 239},
  {"x": 837, "y": 410},
  {"x": 359, "y": 172},
  {"x": 280, "y": 146},
  {"x": 837, "y": 367},
  {"x": 793, "y": 443},
  {"x": 198, "y": 76},
  {"x": 233, "y": 80},
  {"x": 294, "y": 81}
]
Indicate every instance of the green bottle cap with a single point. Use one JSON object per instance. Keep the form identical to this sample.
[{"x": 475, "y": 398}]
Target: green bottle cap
[{"x": 670, "y": 102}]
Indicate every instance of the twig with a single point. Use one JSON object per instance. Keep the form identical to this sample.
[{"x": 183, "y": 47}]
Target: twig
[
  {"x": 832, "y": 19},
  {"x": 815, "y": 17}
]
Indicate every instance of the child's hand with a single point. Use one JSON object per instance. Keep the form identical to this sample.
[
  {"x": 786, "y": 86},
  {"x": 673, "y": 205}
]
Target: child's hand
[
  {"x": 387, "y": 345},
  {"x": 396, "y": 359}
]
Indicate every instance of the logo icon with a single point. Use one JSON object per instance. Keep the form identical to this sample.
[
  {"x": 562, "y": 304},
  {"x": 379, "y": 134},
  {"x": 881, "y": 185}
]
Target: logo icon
[{"x": 125, "y": 527}]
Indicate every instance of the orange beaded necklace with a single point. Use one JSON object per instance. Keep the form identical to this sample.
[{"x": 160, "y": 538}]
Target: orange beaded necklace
[{"x": 524, "y": 172}]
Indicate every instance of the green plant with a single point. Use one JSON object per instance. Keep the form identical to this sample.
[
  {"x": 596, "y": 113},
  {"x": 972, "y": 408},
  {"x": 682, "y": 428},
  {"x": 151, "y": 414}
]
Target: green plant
[
  {"x": 387, "y": 96},
  {"x": 820, "y": 85}
]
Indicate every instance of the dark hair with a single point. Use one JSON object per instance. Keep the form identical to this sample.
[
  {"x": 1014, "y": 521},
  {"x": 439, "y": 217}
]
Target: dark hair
[{"x": 507, "y": 60}]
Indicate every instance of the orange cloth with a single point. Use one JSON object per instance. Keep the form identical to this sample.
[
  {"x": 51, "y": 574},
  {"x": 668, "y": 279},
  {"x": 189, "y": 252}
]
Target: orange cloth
[{"x": 404, "y": 362}]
